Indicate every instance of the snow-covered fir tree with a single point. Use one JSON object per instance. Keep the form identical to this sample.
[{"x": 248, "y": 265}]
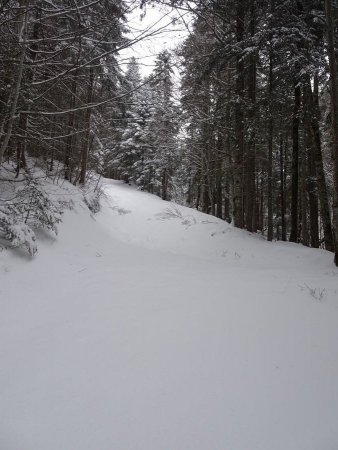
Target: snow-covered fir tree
[
  {"x": 132, "y": 149},
  {"x": 164, "y": 125},
  {"x": 147, "y": 151}
]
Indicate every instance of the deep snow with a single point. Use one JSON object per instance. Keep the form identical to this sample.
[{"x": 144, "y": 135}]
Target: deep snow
[{"x": 154, "y": 327}]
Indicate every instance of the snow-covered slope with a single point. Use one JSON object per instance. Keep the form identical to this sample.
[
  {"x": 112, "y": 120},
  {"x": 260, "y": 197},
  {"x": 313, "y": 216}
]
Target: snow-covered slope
[{"x": 154, "y": 327}]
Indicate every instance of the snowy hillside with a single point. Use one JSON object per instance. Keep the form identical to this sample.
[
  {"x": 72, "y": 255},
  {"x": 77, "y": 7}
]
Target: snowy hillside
[{"x": 150, "y": 326}]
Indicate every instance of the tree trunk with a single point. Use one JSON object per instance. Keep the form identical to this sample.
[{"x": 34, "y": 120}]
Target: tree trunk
[
  {"x": 303, "y": 198},
  {"x": 21, "y": 145},
  {"x": 70, "y": 127},
  {"x": 270, "y": 131},
  {"x": 22, "y": 28},
  {"x": 164, "y": 184},
  {"x": 270, "y": 162},
  {"x": 311, "y": 176},
  {"x": 295, "y": 164},
  {"x": 334, "y": 115},
  {"x": 228, "y": 155},
  {"x": 282, "y": 186},
  {"x": 86, "y": 144},
  {"x": 319, "y": 168},
  {"x": 251, "y": 152},
  {"x": 239, "y": 121},
  {"x": 219, "y": 178}
]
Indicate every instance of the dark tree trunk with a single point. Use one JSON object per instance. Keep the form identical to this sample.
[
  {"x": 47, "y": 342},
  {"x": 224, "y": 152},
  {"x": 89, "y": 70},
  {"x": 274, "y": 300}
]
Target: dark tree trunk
[
  {"x": 282, "y": 187},
  {"x": 319, "y": 168},
  {"x": 21, "y": 34},
  {"x": 228, "y": 156},
  {"x": 270, "y": 136},
  {"x": 334, "y": 114},
  {"x": 164, "y": 184},
  {"x": 251, "y": 152},
  {"x": 304, "y": 201},
  {"x": 239, "y": 121},
  {"x": 218, "y": 201},
  {"x": 311, "y": 177},
  {"x": 21, "y": 145},
  {"x": 86, "y": 143},
  {"x": 270, "y": 192},
  {"x": 198, "y": 194},
  {"x": 295, "y": 164},
  {"x": 70, "y": 128}
]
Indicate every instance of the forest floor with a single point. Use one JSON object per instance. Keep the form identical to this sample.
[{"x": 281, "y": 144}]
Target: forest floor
[{"x": 151, "y": 326}]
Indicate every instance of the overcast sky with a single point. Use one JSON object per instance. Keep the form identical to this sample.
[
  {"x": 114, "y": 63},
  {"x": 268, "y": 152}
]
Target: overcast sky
[{"x": 161, "y": 27}]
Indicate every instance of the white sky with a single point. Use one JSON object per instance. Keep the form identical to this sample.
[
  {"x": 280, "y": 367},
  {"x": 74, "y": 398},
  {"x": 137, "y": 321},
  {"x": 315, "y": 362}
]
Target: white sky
[{"x": 155, "y": 26}]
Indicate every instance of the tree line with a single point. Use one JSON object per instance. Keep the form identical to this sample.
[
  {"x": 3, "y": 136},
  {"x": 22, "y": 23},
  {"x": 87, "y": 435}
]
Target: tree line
[
  {"x": 252, "y": 139},
  {"x": 259, "y": 97},
  {"x": 66, "y": 104}
]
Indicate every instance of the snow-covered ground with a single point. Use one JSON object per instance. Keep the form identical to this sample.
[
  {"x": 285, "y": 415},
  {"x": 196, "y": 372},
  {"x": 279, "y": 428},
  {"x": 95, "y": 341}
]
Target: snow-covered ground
[{"x": 154, "y": 327}]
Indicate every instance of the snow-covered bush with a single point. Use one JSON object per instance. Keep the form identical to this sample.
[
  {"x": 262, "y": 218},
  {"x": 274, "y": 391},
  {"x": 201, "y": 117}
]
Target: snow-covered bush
[
  {"x": 18, "y": 234},
  {"x": 37, "y": 209},
  {"x": 92, "y": 200},
  {"x": 27, "y": 209}
]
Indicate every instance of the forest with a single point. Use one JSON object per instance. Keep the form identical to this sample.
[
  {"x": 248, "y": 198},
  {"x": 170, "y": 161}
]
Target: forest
[
  {"x": 168, "y": 224},
  {"x": 249, "y": 134}
]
